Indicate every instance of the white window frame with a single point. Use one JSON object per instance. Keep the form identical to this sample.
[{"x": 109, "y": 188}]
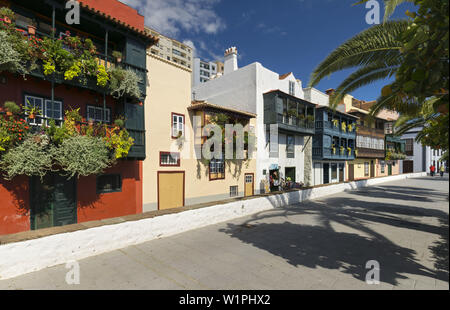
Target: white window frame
[
  {"x": 178, "y": 122},
  {"x": 44, "y": 118},
  {"x": 97, "y": 108},
  {"x": 234, "y": 191},
  {"x": 292, "y": 88}
]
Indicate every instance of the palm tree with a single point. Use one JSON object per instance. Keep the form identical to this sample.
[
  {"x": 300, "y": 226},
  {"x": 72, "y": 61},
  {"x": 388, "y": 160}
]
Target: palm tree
[{"x": 375, "y": 52}]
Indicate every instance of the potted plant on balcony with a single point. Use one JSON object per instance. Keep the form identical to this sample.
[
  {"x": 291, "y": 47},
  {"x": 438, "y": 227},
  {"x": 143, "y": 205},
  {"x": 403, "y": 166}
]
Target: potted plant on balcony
[
  {"x": 344, "y": 127},
  {"x": 349, "y": 149},
  {"x": 120, "y": 122},
  {"x": 7, "y": 14},
  {"x": 333, "y": 149},
  {"x": 11, "y": 108},
  {"x": 117, "y": 55},
  {"x": 350, "y": 128},
  {"x": 32, "y": 111},
  {"x": 32, "y": 29},
  {"x": 342, "y": 150},
  {"x": 336, "y": 123},
  {"x": 293, "y": 113}
]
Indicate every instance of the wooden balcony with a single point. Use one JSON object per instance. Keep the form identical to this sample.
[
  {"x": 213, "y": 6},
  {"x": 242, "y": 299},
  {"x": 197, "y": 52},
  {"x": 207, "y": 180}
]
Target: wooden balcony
[
  {"x": 327, "y": 127},
  {"x": 370, "y": 153},
  {"x": 370, "y": 132},
  {"x": 322, "y": 153}
]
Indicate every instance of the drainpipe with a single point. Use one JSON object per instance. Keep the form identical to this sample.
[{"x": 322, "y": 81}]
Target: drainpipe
[{"x": 106, "y": 61}]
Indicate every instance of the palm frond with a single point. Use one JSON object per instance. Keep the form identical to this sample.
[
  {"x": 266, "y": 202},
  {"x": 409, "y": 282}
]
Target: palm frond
[
  {"x": 389, "y": 6},
  {"x": 376, "y": 44},
  {"x": 364, "y": 76},
  {"x": 401, "y": 129}
]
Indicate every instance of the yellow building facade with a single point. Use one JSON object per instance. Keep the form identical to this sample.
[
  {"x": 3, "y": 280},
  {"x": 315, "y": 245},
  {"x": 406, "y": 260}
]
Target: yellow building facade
[
  {"x": 174, "y": 173},
  {"x": 371, "y": 142}
]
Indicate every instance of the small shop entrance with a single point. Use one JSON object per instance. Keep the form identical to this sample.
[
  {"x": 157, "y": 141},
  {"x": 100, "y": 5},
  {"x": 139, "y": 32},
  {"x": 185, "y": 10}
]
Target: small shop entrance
[
  {"x": 53, "y": 201},
  {"x": 274, "y": 177}
]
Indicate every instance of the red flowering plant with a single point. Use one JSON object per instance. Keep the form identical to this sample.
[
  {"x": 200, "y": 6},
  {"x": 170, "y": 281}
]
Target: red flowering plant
[
  {"x": 35, "y": 48},
  {"x": 13, "y": 131}
]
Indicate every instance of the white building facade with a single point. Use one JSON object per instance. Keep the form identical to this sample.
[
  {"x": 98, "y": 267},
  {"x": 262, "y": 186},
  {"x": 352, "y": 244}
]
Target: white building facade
[
  {"x": 260, "y": 91},
  {"x": 420, "y": 158}
]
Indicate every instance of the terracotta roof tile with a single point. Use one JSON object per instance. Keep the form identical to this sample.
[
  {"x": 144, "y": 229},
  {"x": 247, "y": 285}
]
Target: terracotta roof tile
[{"x": 282, "y": 77}]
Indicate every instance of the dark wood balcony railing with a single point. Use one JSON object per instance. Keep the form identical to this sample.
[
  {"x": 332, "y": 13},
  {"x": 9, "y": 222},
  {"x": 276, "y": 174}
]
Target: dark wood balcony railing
[
  {"x": 370, "y": 153},
  {"x": 370, "y": 132},
  {"x": 330, "y": 127},
  {"x": 328, "y": 153},
  {"x": 296, "y": 122}
]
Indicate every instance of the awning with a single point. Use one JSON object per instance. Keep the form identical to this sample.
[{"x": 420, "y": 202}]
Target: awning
[{"x": 274, "y": 167}]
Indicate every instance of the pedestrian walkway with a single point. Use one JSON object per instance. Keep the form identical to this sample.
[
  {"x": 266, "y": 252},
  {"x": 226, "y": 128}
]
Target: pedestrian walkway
[{"x": 321, "y": 244}]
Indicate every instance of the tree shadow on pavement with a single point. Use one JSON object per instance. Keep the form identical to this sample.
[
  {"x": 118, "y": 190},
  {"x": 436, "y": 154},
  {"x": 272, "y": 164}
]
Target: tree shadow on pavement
[
  {"x": 440, "y": 250},
  {"x": 321, "y": 245},
  {"x": 395, "y": 193}
]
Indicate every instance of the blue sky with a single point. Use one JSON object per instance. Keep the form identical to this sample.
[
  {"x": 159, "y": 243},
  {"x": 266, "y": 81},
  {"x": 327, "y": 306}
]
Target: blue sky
[{"x": 283, "y": 35}]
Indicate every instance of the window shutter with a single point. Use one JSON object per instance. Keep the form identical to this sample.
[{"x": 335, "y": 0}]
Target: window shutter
[{"x": 135, "y": 125}]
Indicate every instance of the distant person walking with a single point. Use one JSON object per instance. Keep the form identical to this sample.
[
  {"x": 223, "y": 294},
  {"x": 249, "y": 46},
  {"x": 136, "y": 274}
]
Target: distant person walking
[
  {"x": 442, "y": 171},
  {"x": 432, "y": 170}
]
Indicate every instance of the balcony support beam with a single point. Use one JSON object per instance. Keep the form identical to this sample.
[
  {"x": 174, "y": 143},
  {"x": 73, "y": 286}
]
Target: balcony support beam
[{"x": 53, "y": 37}]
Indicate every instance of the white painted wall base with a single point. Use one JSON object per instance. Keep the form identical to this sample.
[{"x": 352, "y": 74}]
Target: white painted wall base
[{"x": 33, "y": 255}]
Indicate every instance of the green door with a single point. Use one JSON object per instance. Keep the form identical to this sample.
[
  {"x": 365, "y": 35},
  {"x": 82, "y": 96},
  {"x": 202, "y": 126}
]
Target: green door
[
  {"x": 53, "y": 201},
  {"x": 390, "y": 169}
]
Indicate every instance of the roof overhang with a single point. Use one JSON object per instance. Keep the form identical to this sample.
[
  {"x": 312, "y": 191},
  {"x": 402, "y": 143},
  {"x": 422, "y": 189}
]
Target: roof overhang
[{"x": 204, "y": 105}]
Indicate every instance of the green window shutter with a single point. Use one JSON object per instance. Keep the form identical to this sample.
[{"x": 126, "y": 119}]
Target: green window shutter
[
  {"x": 137, "y": 57},
  {"x": 136, "y": 53},
  {"x": 135, "y": 125}
]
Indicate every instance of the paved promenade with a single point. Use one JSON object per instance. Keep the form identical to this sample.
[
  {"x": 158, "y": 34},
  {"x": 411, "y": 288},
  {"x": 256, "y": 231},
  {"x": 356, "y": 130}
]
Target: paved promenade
[{"x": 321, "y": 244}]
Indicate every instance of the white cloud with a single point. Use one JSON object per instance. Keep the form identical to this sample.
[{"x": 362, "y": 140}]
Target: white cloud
[{"x": 171, "y": 16}]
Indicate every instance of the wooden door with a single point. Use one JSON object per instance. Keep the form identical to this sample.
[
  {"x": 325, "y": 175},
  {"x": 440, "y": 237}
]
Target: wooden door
[
  {"x": 351, "y": 172},
  {"x": 341, "y": 173},
  {"x": 372, "y": 169},
  {"x": 408, "y": 166},
  {"x": 53, "y": 201},
  {"x": 249, "y": 187},
  {"x": 171, "y": 190},
  {"x": 326, "y": 173}
]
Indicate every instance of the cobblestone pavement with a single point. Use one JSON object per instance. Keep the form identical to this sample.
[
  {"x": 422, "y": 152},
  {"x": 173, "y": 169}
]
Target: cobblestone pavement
[{"x": 321, "y": 244}]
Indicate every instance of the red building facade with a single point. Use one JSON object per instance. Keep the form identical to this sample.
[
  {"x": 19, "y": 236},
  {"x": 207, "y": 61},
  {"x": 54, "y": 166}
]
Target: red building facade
[{"x": 118, "y": 190}]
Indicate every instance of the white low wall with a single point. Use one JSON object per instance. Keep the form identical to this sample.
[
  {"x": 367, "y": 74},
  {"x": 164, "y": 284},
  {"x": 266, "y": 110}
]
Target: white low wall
[{"x": 32, "y": 255}]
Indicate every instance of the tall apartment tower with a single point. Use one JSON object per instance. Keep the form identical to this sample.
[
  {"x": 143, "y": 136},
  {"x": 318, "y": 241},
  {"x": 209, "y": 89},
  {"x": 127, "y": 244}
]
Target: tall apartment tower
[
  {"x": 172, "y": 50},
  {"x": 204, "y": 71}
]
